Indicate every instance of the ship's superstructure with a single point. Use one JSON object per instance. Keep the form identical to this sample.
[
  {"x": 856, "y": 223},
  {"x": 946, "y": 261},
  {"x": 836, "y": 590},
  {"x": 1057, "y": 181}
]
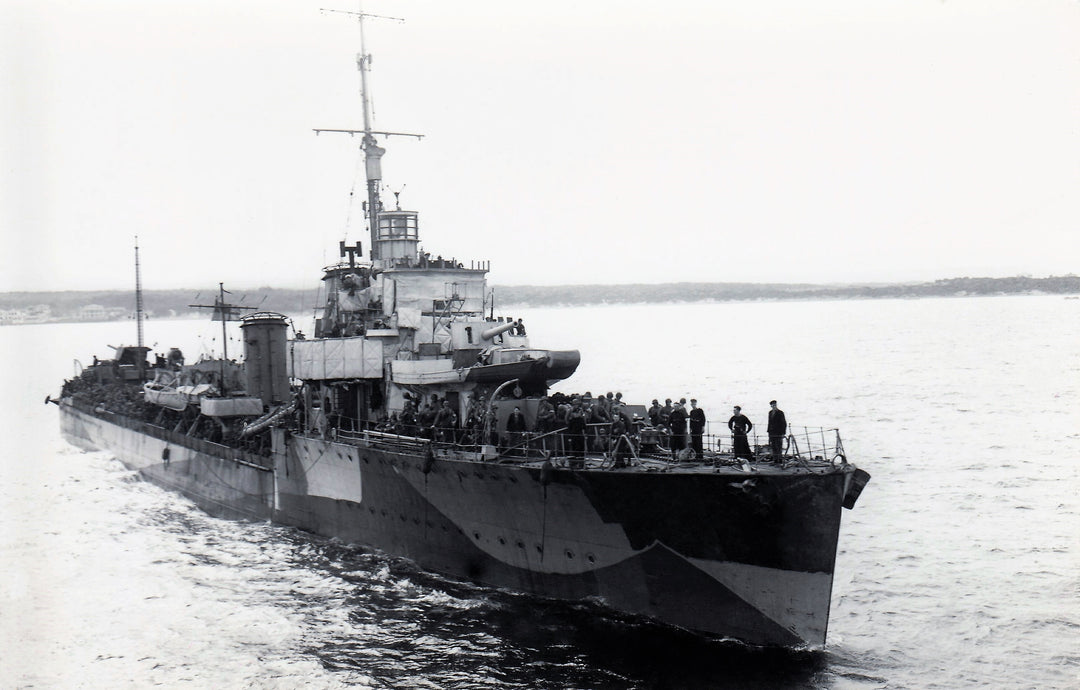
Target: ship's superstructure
[{"x": 417, "y": 421}]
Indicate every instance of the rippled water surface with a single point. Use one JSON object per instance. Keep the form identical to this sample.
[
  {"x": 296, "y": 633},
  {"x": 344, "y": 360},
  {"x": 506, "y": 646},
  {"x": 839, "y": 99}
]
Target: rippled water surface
[{"x": 959, "y": 566}]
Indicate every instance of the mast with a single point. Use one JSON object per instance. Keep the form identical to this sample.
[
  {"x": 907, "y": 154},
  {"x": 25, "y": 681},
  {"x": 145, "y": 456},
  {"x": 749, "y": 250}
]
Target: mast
[
  {"x": 141, "y": 358},
  {"x": 373, "y": 153},
  {"x": 138, "y": 296},
  {"x": 225, "y": 312}
]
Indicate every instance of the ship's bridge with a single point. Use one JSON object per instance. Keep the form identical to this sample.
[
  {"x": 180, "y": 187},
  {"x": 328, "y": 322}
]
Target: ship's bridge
[{"x": 398, "y": 237}]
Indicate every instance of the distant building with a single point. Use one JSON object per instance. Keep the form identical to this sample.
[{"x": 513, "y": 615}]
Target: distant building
[
  {"x": 39, "y": 313},
  {"x": 92, "y": 312},
  {"x": 96, "y": 312}
]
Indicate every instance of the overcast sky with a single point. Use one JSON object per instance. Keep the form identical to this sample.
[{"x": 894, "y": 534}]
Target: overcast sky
[{"x": 567, "y": 142}]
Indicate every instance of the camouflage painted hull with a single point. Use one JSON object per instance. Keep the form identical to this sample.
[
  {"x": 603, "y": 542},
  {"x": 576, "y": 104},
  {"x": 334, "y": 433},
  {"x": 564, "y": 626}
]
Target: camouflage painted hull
[{"x": 721, "y": 553}]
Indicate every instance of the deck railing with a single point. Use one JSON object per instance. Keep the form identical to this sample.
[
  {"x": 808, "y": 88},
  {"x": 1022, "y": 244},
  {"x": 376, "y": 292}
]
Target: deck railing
[
  {"x": 802, "y": 445},
  {"x": 200, "y": 445}
]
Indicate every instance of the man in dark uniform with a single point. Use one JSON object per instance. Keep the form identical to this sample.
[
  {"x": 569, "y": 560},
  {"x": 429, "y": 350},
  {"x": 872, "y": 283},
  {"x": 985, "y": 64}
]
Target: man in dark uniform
[
  {"x": 654, "y": 413},
  {"x": 665, "y": 412},
  {"x": 515, "y": 430},
  {"x": 740, "y": 426},
  {"x": 545, "y": 421},
  {"x": 620, "y": 445},
  {"x": 677, "y": 421},
  {"x": 445, "y": 423},
  {"x": 575, "y": 435},
  {"x": 697, "y": 428},
  {"x": 408, "y": 418},
  {"x": 426, "y": 420},
  {"x": 777, "y": 430}
]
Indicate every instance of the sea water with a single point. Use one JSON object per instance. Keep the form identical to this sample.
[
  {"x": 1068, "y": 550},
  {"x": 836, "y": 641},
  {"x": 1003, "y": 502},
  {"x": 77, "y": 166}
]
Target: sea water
[{"x": 958, "y": 567}]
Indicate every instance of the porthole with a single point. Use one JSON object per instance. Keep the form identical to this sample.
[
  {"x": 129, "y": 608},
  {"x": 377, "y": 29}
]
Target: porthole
[
  {"x": 502, "y": 542},
  {"x": 520, "y": 544},
  {"x": 539, "y": 549},
  {"x": 590, "y": 558},
  {"x": 476, "y": 536},
  {"x": 569, "y": 554}
]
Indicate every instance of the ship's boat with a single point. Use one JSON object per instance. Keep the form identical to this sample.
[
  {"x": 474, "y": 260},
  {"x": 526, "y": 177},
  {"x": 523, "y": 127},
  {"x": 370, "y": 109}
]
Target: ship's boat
[{"x": 417, "y": 421}]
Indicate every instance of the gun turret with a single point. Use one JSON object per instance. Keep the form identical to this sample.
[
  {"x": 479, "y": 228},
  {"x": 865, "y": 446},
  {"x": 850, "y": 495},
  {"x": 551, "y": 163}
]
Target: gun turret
[{"x": 496, "y": 330}]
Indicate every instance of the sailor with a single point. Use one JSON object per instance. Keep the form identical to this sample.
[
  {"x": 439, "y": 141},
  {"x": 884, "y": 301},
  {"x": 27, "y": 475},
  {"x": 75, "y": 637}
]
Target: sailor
[
  {"x": 697, "y": 428},
  {"x": 740, "y": 426},
  {"x": 677, "y": 420},
  {"x": 620, "y": 449},
  {"x": 777, "y": 431},
  {"x": 426, "y": 418},
  {"x": 408, "y": 418},
  {"x": 445, "y": 422},
  {"x": 515, "y": 429},
  {"x": 562, "y": 412},
  {"x": 545, "y": 421},
  {"x": 604, "y": 403},
  {"x": 665, "y": 412},
  {"x": 491, "y": 422},
  {"x": 575, "y": 436},
  {"x": 654, "y": 413}
]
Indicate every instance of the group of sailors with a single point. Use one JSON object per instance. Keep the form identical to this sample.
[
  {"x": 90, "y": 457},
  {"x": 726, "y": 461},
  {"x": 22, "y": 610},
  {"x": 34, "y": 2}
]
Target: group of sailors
[
  {"x": 576, "y": 424},
  {"x": 673, "y": 419}
]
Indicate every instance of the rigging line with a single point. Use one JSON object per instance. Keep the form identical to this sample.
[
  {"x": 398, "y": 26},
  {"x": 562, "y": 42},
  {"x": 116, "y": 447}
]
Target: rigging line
[{"x": 352, "y": 196}]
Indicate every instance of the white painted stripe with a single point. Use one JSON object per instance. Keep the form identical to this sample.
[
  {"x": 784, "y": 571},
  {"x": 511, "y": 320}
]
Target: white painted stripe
[
  {"x": 331, "y": 470},
  {"x": 797, "y": 601}
]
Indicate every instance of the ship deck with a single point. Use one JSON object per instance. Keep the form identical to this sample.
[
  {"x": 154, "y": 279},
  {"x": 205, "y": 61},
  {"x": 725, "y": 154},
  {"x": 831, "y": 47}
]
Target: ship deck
[{"x": 821, "y": 460}]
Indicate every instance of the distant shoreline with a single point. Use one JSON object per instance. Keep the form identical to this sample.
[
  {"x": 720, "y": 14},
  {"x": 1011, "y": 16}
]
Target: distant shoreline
[{"x": 105, "y": 305}]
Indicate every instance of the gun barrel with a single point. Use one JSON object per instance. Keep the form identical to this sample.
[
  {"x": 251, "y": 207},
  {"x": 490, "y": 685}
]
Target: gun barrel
[{"x": 496, "y": 330}]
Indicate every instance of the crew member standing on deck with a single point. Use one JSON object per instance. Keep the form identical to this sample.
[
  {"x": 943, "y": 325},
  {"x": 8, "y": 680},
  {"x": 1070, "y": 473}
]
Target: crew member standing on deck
[
  {"x": 654, "y": 413},
  {"x": 665, "y": 412},
  {"x": 677, "y": 421},
  {"x": 545, "y": 421},
  {"x": 777, "y": 431},
  {"x": 575, "y": 435},
  {"x": 740, "y": 426},
  {"x": 515, "y": 430},
  {"x": 445, "y": 423},
  {"x": 697, "y": 428}
]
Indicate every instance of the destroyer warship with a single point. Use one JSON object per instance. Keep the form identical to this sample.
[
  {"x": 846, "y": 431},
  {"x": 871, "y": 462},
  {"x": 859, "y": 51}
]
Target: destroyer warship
[{"x": 418, "y": 422}]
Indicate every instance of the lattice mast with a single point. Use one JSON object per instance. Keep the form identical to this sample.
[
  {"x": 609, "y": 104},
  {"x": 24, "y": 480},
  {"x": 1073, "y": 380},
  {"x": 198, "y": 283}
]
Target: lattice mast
[
  {"x": 139, "y": 310},
  {"x": 138, "y": 296}
]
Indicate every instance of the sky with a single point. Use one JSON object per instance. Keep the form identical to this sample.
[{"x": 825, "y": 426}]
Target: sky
[{"x": 565, "y": 142}]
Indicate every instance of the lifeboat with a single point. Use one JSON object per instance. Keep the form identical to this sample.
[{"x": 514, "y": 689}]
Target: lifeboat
[{"x": 497, "y": 365}]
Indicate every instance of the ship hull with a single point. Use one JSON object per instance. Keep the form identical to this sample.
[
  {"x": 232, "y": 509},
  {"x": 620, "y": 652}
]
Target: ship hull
[{"x": 714, "y": 553}]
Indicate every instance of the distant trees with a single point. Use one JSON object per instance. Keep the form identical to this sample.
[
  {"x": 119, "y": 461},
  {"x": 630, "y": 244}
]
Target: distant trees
[{"x": 68, "y": 305}]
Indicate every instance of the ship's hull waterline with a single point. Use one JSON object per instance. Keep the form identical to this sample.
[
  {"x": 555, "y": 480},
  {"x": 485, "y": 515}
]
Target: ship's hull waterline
[{"x": 721, "y": 553}]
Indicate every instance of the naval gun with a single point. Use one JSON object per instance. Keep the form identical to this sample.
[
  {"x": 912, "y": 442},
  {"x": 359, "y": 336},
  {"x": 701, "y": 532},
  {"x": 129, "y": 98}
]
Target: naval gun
[{"x": 498, "y": 330}]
